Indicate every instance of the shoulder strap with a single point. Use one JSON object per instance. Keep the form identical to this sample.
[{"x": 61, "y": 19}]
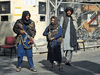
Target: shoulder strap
[{"x": 49, "y": 28}]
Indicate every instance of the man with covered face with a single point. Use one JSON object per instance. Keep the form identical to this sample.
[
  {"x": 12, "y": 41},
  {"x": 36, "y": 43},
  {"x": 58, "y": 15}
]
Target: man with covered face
[
  {"x": 53, "y": 32},
  {"x": 69, "y": 35},
  {"x": 25, "y": 24}
]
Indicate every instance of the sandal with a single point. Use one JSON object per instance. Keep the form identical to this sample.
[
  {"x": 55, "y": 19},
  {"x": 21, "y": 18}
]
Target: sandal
[
  {"x": 32, "y": 69},
  {"x": 61, "y": 69},
  {"x": 18, "y": 69},
  {"x": 52, "y": 68}
]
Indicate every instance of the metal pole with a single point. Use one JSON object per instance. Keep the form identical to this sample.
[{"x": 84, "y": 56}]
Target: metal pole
[
  {"x": 52, "y": 4},
  {"x": 48, "y": 12},
  {"x": 73, "y": 4},
  {"x": 55, "y": 7},
  {"x": 59, "y": 4}
]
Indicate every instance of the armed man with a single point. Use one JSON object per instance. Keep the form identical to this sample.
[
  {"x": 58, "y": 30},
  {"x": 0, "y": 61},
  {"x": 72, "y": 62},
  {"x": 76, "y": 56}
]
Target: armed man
[{"x": 24, "y": 43}]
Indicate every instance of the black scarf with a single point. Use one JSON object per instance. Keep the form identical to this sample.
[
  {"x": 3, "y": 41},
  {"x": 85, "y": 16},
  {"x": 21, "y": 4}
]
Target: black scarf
[
  {"x": 26, "y": 22},
  {"x": 55, "y": 24}
]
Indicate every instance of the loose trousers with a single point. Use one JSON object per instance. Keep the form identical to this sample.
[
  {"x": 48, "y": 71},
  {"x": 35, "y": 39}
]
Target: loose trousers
[
  {"x": 30, "y": 61},
  {"x": 68, "y": 55}
]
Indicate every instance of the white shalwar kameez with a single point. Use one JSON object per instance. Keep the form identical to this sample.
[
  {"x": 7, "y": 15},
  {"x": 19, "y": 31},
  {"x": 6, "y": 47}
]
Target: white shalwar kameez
[{"x": 66, "y": 40}]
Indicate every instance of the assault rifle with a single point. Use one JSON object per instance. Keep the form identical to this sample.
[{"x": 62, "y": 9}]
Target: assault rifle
[{"x": 27, "y": 36}]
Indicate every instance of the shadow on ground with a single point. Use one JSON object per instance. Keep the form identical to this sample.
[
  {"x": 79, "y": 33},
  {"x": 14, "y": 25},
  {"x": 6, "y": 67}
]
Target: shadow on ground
[
  {"x": 6, "y": 65},
  {"x": 77, "y": 68},
  {"x": 25, "y": 64}
]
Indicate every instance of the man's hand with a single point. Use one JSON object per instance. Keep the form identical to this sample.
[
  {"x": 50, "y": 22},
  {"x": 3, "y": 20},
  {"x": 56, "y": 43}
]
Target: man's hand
[
  {"x": 53, "y": 38},
  {"x": 30, "y": 41},
  {"x": 22, "y": 32}
]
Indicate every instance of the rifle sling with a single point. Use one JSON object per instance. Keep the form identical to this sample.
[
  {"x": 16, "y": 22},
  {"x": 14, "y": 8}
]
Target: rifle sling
[{"x": 24, "y": 44}]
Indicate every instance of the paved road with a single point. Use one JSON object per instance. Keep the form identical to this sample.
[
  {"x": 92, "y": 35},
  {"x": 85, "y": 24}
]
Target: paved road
[{"x": 83, "y": 63}]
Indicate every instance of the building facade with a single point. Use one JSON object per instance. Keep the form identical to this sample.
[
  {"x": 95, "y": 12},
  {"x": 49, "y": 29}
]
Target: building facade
[{"x": 11, "y": 10}]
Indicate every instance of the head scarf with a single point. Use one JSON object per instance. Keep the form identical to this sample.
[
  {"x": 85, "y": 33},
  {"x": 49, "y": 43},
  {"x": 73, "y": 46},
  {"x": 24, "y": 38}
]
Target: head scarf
[
  {"x": 24, "y": 14},
  {"x": 69, "y": 8},
  {"x": 55, "y": 24}
]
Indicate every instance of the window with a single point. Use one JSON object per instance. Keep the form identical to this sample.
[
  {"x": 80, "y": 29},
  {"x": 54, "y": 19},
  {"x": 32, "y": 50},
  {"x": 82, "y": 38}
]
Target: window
[
  {"x": 5, "y": 7},
  {"x": 4, "y": 18},
  {"x": 42, "y": 18},
  {"x": 42, "y": 7}
]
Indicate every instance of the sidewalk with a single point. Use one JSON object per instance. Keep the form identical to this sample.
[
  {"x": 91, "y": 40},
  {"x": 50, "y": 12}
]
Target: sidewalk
[{"x": 83, "y": 63}]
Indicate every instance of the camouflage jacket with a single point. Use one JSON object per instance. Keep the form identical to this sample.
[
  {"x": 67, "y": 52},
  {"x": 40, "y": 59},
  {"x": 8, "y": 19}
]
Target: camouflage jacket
[{"x": 16, "y": 29}]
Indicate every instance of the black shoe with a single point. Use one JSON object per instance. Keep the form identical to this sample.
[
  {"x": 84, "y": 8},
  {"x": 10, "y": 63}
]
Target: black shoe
[
  {"x": 61, "y": 69},
  {"x": 32, "y": 69},
  {"x": 18, "y": 69},
  {"x": 68, "y": 64},
  {"x": 52, "y": 68}
]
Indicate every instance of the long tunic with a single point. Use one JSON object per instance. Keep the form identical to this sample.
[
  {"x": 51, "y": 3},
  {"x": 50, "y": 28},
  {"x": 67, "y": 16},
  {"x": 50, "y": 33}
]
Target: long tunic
[
  {"x": 21, "y": 51},
  {"x": 54, "y": 50},
  {"x": 66, "y": 40}
]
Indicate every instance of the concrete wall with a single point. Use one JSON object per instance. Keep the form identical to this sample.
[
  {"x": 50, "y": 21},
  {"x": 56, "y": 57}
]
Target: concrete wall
[{"x": 6, "y": 26}]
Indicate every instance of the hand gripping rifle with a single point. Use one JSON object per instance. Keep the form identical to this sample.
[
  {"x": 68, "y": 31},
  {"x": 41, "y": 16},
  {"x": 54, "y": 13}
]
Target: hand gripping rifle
[{"x": 27, "y": 36}]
